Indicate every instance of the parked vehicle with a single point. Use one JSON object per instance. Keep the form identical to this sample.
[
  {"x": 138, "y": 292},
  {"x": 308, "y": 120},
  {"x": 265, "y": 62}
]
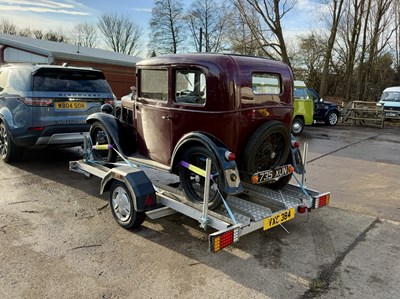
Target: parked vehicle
[
  {"x": 192, "y": 106},
  {"x": 45, "y": 105},
  {"x": 303, "y": 108},
  {"x": 324, "y": 111},
  {"x": 390, "y": 100}
]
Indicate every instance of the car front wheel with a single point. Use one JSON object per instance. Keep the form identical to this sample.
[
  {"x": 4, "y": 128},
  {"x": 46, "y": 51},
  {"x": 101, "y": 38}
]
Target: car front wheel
[
  {"x": 100, "y": 136},
  {"x": 297, "y": 126},
  {"x": 332, "y": 118}
]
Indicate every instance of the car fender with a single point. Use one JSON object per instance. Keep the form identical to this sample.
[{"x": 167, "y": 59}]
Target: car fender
[
  {"x": 112, "y": 125},
  {"x": 6, "y": 117},
  {"x": 218, "y": 149}
]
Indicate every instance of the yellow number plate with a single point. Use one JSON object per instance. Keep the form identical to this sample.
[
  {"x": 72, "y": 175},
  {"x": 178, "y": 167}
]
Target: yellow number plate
[
  {"x": 279, "y": 218},
  {"x": 70, "y": 105}
]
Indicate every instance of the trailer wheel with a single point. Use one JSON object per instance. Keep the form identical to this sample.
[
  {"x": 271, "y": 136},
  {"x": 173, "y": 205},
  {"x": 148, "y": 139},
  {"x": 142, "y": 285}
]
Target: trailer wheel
[
  {"x": 122, "y": 206},
  {"x": 100, "y": 135},
  {"x": 267, "y": 148},
  {"x": 193, "y": 184}
]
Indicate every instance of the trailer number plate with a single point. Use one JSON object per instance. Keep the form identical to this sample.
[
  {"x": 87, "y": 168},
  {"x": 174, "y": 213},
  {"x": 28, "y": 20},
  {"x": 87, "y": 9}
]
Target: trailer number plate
[{"x": 279, "y": 218}]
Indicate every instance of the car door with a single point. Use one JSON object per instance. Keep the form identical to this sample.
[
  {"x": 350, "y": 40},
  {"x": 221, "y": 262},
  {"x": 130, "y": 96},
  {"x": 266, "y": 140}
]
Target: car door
[
  {"x": 319, "y": 106},
  {"x": 153, "y": 117}
]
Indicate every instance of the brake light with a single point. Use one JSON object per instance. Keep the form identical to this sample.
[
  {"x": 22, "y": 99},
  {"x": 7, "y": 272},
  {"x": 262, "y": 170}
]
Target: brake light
[
  {"x": 109, "y": 101},
  {"x": 39, "y": 102},
  {"x": 321, "y": 201},
  {"x": 229, "y": 156},
  {"x": 220, "y": 240},
  {"x": 295, "y": 144}
]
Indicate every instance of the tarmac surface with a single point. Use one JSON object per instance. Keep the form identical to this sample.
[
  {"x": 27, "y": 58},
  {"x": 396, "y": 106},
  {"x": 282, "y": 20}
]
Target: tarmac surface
[{"x": 58, "y": 238}]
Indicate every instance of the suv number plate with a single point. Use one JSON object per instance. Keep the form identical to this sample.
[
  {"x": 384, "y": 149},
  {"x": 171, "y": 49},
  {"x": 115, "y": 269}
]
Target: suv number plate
[
  {"x": 268, "y": 175},
  {"x": 70, "y": 105}
]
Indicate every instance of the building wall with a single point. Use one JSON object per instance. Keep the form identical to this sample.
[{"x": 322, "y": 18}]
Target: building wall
[
  {"x": 120, "y": 78},
  {"x": 12, "y": 55}
]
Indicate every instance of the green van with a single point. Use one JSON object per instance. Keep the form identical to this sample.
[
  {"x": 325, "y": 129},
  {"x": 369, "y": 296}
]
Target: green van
[{"x": 303, "y": 108}]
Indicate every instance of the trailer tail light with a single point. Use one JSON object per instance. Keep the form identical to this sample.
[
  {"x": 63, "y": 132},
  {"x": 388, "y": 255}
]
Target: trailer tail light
[
  {"x": 321, "y": 201},
  {"x": 295, "y": 144},
  {"x": 39, "y": 102},
  {"x": 222, "y": 239},
  {"x": 229, "y": 156},
  {"x": 301, "y": 209}
]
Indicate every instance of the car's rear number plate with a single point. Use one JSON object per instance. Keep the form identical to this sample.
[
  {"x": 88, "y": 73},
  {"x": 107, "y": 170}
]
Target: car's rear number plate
[
  {"x": 269, "y": 175},
  {"x": 70, "y": 105},
  {"x": 279, "y": 218}
]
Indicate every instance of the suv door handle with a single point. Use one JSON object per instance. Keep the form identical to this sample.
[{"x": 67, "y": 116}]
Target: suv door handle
[{"x": 166, "y": 117}]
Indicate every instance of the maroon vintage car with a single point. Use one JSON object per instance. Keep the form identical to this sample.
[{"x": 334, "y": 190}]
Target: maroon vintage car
[{"x": 187, "y": 107}]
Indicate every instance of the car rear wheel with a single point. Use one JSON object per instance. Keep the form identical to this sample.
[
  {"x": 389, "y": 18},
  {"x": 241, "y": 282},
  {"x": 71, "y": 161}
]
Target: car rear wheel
[
  {"x": 193, "y": 183},
  {"x": 122, "y": 206},
  {"x": 266, "y": 149},
  {"x": 332, "y": 118},
  {"x": 297, "y": 126},
  {"x": 9, "y": 152},
  {"x": 100, "y": 136}
]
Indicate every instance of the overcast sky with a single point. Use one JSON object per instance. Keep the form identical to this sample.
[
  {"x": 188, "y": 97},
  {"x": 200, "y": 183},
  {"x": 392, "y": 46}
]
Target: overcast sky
[{"x": 62, "y": 15}]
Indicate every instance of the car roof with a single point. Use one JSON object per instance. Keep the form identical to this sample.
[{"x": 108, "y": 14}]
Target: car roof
[
  {"x": 35, "y": 67},
  {"x": 393, "y": 88},
  {"x": 298, "y": 83}
]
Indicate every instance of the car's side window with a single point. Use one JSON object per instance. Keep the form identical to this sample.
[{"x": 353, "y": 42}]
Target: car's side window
[
  {"x": 154, "y": 84},
  {"x": 190, "y": 86},
  {"x": 264, "y": 83}
]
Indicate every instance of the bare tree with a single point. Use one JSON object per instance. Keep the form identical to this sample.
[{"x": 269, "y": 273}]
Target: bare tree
[
  {"x": 85, "y": 34},
  {"x": 336, "y": 10},
  {"x": 120, "y": 33},
  {"x": 350, "y": 32},
  {"x": 8, "y": 27},
  {"x": 55, "y": 36},
  {"x": 167, "y": 26},
  {"x": 241, "y": 37},
  {"x": 208, "y": 23},
  {"x": 268, "y": 32}
]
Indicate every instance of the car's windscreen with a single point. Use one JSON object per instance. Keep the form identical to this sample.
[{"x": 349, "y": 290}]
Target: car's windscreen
[
  {"x": 300, "y": 93},
  {"x": 391, "y": 96},
  {"x": 69, "y": 80}
]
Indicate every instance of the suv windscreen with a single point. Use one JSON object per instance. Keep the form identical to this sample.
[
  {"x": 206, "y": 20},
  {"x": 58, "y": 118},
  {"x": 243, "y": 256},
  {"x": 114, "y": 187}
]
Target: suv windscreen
[
  {"x": 300, "y": 93},
  {"x": 391, "y": 96},
  {"x": 69, "y": 80}
]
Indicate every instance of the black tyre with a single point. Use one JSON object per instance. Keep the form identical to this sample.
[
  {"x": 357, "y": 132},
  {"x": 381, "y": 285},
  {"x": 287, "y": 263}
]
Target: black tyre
[
  {"x": 100, "y": 135},
  {"x": 193, "y": 184},
  {"x": 332, "y": 118},
  {"x": 122, "y": 206},
  {"x": 297, "y": 126},
  {"x": 267, "y": 148},
  {"x": 9, "y": 152}
]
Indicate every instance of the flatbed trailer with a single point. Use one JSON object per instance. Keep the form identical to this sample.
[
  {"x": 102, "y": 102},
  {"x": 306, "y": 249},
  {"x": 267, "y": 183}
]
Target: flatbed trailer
[{"x": 256, "y": 208}]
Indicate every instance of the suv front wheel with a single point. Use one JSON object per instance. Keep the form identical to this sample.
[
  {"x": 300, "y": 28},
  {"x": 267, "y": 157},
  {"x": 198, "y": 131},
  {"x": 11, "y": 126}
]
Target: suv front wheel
[
  {"x": 332, "y": 118},
  {"x": 8, "y": 150}
]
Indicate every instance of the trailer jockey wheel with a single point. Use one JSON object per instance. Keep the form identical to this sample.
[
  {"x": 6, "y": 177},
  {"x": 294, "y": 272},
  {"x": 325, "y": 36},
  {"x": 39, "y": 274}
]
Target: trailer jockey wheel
[{"x": 122, "y": 206}]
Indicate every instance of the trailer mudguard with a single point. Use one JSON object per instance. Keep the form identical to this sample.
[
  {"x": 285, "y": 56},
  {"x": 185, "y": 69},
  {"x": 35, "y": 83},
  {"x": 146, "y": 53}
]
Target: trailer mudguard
[
  {"x": 123, "y": 140},
  {"x": 139, "y": 185},
  {"x": 218, "y": 149}
]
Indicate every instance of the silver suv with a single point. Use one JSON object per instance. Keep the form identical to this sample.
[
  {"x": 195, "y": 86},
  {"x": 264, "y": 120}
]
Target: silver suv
[{"x": 45, "y": 105}]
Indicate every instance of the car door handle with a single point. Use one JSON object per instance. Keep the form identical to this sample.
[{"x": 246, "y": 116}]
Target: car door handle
[{"x": 166, "y": 117}]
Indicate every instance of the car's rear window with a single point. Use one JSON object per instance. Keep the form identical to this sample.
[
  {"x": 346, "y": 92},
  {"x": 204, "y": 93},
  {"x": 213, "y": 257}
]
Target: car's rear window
[{"x": 70, "y": 80}]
